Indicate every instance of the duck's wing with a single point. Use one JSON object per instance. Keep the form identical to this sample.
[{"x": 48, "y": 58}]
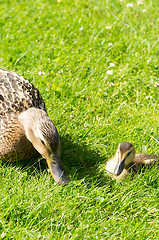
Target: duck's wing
[{"x": 17, "y": 94}]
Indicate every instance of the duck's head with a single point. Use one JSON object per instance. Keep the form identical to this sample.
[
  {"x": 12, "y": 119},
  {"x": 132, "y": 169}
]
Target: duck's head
[
  {"x": 42, "y": 133},
  {"x": 125, "y": 155}
]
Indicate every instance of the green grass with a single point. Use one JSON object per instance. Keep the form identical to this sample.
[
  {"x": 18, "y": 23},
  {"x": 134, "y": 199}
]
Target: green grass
[{"x": 73, "y": 43}]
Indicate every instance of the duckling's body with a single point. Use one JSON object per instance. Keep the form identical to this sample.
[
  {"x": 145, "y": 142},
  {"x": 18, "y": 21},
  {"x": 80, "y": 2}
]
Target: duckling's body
[
  {"x": 125, "y": 161},
  {"x": 25, "y": 128}
]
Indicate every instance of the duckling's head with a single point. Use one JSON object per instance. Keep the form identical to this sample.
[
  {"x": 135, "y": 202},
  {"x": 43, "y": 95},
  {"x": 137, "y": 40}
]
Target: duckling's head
[
  {"x": 125, "y": 155},
  {"x": 42, "y": 133}
]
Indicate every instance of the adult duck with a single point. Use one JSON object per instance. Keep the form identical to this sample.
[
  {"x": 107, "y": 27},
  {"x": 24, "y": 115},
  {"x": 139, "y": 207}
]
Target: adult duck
[{"x": 25, "y": 127}]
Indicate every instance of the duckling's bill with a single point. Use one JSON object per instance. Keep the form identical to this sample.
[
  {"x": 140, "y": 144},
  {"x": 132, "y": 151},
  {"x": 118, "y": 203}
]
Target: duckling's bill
[{"x": 119, "y": 168}]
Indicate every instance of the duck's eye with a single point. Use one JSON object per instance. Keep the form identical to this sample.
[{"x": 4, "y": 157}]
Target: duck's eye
[{"x": 42, "y": 142}]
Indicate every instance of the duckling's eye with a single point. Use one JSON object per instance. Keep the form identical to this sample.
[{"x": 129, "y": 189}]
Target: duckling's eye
[
  {"x": 42, "y": 142},
  {"x": 129, "y": 153}
]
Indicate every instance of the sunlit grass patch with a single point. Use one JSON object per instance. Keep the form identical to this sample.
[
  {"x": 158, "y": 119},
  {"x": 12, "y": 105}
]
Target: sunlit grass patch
[{"x": 96, "y": 66}]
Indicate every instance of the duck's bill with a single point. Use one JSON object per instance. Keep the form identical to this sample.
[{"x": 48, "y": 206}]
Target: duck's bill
[
  {"x": 119, "y": 168},
  {"x": 57, "y": 172}
]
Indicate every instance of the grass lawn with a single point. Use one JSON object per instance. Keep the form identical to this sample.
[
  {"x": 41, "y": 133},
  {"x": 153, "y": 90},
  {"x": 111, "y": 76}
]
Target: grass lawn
[{"x": 96, "y": 66}]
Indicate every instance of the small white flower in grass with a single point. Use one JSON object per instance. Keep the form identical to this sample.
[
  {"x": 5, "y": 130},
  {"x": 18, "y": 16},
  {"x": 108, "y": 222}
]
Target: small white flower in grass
[
  {"x": 60, "y": 71},
  {"x": 110, "y": 44},
  {"x": 143, "y": 10},
  {"x": 111, "y": 65},
  {"x": 156, "y": 84},
  {"x": 140, "y": 2},
  {"x": 2, "y": 235},
  {"x": 108, "y": 27},
  {"x": 111, "y": 84},
  {"x": 41, "y": 73},
  {"x": 81, "y": 28},
  {"x": 130, "y": 5},
  {"x": 110, "y": 72}
]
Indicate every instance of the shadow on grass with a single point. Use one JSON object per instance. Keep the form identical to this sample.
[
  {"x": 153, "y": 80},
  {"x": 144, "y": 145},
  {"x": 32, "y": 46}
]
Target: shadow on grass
[{"x": 78, "y": 161}]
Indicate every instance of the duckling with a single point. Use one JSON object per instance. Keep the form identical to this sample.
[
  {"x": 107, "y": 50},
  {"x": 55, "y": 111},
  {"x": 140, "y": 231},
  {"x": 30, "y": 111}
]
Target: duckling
[
  {"x": 25, "y": 127},
  {"x": 125, "y": 159}
]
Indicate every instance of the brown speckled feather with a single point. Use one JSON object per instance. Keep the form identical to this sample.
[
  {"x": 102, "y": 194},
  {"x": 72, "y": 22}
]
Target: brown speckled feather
[{"x": 16, "y": 95}]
